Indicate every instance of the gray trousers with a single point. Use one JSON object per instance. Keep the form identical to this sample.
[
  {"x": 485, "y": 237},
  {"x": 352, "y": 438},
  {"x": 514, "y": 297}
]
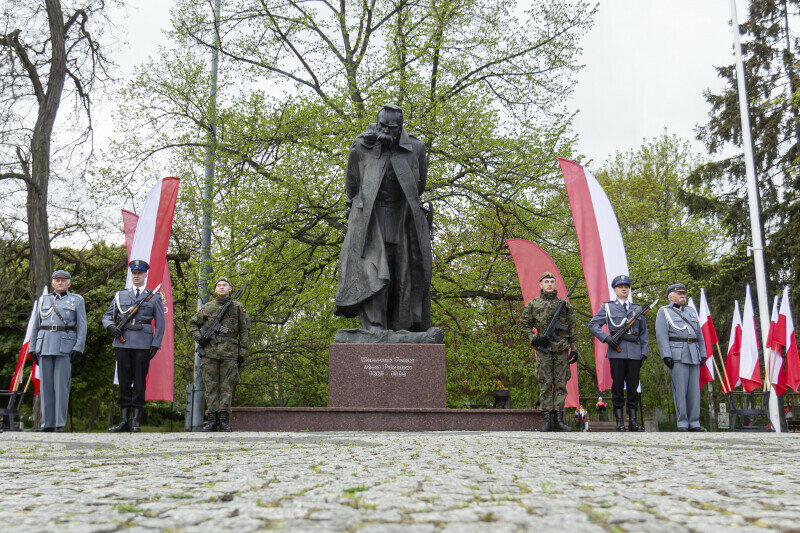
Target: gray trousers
[
  {"x": 54, "y": 387},
  {"x": 686, "y": 393}
]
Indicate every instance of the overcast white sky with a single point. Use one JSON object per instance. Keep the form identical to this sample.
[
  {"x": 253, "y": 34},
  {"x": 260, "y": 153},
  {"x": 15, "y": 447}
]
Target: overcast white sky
[{"x": 647, "y": 65}]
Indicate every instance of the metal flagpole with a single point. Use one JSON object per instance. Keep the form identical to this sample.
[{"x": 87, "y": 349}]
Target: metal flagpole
[
  {"x": 757, "y": 247},
  {"x": 196, "y": 396}
]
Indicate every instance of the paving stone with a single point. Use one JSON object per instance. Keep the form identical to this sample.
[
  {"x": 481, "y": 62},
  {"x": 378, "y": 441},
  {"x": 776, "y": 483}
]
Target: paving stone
[{"x": 439, "y": 481}]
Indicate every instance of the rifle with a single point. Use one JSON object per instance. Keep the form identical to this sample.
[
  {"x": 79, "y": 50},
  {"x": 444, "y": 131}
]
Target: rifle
[
  {"x": 617, "y": 336},
  {"x": 127, "y": 316},
  {"x": 208, "y": 334},
  {"x": 555, "y": 324}
]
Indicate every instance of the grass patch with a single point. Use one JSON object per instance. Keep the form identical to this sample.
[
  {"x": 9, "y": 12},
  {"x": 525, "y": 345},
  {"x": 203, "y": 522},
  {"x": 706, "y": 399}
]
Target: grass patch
[
  {"x": 127, "y": 508},
  {"x": 352, "y": 490},
  {"x": 180, "y": 496}
]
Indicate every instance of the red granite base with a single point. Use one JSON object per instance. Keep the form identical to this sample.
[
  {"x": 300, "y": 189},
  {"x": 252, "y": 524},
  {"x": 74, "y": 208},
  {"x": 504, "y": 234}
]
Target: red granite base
[{"x": 382, "y": 419}]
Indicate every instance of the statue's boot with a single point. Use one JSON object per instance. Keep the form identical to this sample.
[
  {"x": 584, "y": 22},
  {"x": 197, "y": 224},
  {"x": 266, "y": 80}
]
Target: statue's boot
[
  {"x": 632, "y": 425},
  {"x": 546, "y": 423},
  {"x": 620, "y": 419},
  {"x": 137, "y": 419},
  {"x": 224, "y": 425},
  {"x": 211, "y": 422},
  {"x": 123, "y": 426},
  {"x": 560, "y": 425}
]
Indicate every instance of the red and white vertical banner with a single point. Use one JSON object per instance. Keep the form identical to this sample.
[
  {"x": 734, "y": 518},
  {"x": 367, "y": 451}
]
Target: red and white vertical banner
[
  {"x": 531, "y": 261},
  {"x": 24, "y": 353},
  {"x": 710, "y": 338},
  {"x": 774, "y": 361},
  {"x": 147, "y": 239},
  {"x": 734, "y": 347},
  {"x": 161, "y": 372},
  {"x": 749, "y": 369},
  {"x": 602, "y": 249},
  {"x": 786, "y": 332}
]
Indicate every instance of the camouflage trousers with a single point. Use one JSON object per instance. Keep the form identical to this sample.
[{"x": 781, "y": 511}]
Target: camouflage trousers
[
  {"x": 552, "y": 373},
  {"x": 219, "y": 378}
]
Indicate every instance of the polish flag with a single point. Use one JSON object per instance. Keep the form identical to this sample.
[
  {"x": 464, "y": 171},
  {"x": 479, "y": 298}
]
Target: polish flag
[
  {"x": 24, "y": 353},
  {"x": 749, "y": 370},
  {"x": 710, "y": 338},
  {"x": 775, "y": 353},
  {"x": 530, "y": 261},
  {"x": 147, "y": 238},
  {"x": 785, "y": 331},
  {"x": 602, "y": 249},
  {"x": 734, "y": 347},
  {"x": 161, "y": 371}
]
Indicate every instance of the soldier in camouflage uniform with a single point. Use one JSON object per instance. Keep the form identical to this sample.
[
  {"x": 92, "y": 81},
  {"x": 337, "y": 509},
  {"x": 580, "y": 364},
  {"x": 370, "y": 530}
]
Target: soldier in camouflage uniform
[
  {"x": 553, "y": 355},
  {"x": 221, "y": 362}
]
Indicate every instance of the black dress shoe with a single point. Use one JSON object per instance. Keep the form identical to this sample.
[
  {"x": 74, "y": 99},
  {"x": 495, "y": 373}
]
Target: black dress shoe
[
  {"x": 48, "y": 430},
  {"x": 698, "y": 428},
  {"x": 682, "y": 429},
  {"x": 61, "y": 429}
]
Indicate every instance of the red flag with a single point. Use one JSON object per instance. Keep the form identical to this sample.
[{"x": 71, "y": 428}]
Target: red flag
[
  {"x": 749, "y": 369},
  {"x": 774, "y": 362},
  {"x": 24, "y": 353},
  {"x": 734, "y": 347},
  {"x": 710, "y": 338},
  {"x": 602, "y": 249},
  {"x": 786, "y": 325},
  {"x": 530, "y": 261}
]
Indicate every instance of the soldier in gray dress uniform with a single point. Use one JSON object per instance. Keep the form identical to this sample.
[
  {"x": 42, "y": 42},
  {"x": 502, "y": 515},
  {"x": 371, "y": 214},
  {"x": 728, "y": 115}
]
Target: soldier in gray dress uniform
[
  {"x": 626, "y": 363},
  {"x": 680, "y": 341},
  {"x": 59, "y": 334},
  {"x": 142, "y": 339}
]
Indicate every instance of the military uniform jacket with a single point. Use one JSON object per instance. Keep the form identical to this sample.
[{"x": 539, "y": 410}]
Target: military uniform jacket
[
  {"x": 236, "y": 342},
  {"x": 140, "y": 332},
  {"x": 612, "y": 314},
  {"x": 50, "y": 341},
  {"x": 537, "y": 314},
  {"x": 675, "y": 326}
]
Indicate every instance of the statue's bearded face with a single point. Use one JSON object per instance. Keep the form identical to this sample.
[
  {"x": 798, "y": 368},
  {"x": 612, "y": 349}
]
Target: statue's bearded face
[{"x": 390, "y": 124}]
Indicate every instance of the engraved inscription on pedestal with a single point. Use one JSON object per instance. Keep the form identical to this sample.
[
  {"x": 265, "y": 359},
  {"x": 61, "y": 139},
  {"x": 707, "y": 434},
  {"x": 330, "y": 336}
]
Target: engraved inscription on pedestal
[{"x": 387, "y": 375}]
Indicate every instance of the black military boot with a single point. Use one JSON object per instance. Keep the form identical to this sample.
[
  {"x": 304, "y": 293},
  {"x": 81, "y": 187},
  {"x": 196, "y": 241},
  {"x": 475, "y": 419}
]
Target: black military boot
[
  {"x": 211, "y": 422},
  {"x": 546, "y": 424},
  {"x": 223, "y": 422},
  {"x": 123, "y": 426},
  {"x": 632, "y": 425},
  {"x": 137, "y": 419},
  {"x": 560, "y": 425},
  {"x": 620, "y": 419}
]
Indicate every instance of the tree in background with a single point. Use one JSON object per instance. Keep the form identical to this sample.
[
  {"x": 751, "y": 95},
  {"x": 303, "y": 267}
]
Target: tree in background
[
  {"x": 770, "y": 46},
  {"x": 44, "y": 48}
]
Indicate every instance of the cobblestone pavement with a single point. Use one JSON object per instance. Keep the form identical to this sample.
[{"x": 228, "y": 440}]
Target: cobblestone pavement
[{"x": 450, "y": 481}]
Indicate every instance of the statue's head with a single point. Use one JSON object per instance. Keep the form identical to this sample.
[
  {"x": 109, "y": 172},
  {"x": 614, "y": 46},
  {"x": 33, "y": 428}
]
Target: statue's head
[{"x": 390, "y": 124}]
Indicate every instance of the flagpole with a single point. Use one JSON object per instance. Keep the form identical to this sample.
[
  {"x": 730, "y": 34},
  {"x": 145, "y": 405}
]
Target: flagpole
[
  {"x": 757, "y": 247},
  {"x": 195, "y": 421},
  {"x": 723, "y": 377}
]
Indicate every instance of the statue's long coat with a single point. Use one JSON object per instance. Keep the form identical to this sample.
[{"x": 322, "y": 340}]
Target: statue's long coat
[{"x": 363, "y": 267}]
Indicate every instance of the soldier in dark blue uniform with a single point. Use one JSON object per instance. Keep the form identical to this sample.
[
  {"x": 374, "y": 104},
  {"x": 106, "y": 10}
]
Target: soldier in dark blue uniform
[
  {"x": 142, "y": 336},
  {"x": 626, "y": 363},
  {"x": 58, "y": 339}
]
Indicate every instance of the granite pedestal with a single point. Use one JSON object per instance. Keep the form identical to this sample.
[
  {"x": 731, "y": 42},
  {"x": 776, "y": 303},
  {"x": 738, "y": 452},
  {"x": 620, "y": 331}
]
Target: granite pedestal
[{"x": 408, "y": 376}]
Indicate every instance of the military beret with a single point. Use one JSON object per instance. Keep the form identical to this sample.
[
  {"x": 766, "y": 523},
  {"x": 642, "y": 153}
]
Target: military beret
[
  {"x": 676, "y": 287},
  {"x": 138, "y": 264},
  {"x": 546, "y": 275},
  {"x": 61, "y": 274},
  {"x": 622, "y": 279},
  {"x": 223, "y": 278}
]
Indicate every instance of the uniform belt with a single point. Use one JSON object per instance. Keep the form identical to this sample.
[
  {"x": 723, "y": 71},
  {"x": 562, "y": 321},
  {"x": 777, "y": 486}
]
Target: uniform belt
[
  {"x": 60, "y": 328},
  {"x": 680, "y": 339}
]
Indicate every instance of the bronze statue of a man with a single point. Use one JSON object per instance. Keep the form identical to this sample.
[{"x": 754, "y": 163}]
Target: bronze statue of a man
[{"x": 385, "y": 262}]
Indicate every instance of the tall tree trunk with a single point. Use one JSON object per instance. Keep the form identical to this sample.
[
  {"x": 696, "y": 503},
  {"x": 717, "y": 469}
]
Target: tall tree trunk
[{"x": 41, "y": 258}]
